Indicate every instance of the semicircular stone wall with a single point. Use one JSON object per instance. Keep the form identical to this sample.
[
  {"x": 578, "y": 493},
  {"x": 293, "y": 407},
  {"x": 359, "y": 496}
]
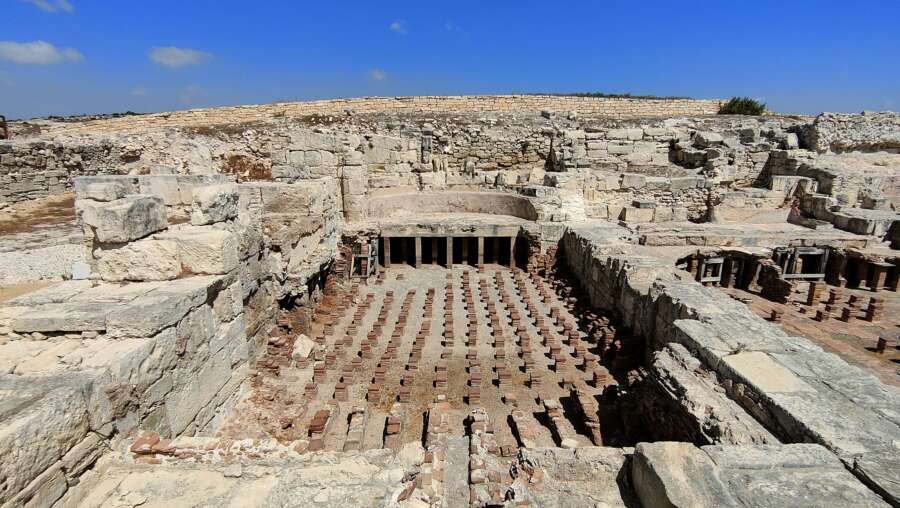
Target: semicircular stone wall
[{"x": 495, "y": 203}]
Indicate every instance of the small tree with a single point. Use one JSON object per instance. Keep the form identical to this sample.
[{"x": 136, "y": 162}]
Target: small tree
[{"x": 742, "y": 106}]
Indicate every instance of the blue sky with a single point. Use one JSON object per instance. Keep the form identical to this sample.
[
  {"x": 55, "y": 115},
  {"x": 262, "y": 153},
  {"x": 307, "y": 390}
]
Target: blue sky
[{"x": 88, "y": 56}]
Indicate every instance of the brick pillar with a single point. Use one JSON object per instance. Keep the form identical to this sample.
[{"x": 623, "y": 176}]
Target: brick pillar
[
  {"x": 815, "y": 293},
  {"x": 480, "y": 252},
  {"x": 449, "y": 252},
  {"x": 879, "y": 278},
  {"x": 512, "y": 251},
  {"x": 387, "y": 252},
  {"x": 418, "y": 243},
  {"x": 434, "y": 250},
  {"x": 403, "y": 248},
  {"x": 862, "y": 273},
  {"x": 465, "y": 250}
]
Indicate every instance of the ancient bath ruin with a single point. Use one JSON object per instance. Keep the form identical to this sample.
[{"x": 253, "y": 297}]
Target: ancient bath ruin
[{"x": 451, "y": 301}]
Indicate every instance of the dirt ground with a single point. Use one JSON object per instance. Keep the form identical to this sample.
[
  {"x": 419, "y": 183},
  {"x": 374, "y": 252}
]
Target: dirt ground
[
  {"x": 11, "y": 291},
  {"x": 28, "y": 216}
]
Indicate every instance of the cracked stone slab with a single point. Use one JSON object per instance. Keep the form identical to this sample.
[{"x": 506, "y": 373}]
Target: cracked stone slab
[{"x": 64, "y": 317}]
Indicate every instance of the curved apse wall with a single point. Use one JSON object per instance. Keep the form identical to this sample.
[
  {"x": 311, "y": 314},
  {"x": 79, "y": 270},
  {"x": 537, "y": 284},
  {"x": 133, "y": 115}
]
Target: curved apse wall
[{"x": 495, "y": 203}]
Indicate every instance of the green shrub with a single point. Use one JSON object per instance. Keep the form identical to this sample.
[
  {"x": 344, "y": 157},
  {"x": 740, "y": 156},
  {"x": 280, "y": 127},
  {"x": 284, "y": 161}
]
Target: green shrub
[{"x": 742, "y": 106}]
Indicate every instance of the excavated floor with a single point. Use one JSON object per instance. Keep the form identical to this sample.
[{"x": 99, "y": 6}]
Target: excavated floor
[{"x": 366, "y": 341}]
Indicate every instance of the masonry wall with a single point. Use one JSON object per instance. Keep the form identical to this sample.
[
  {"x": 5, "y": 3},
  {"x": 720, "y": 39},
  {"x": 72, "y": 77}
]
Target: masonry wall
[
  {"x": 188, "y": 271},
  {"x": 797, "y": 391}
]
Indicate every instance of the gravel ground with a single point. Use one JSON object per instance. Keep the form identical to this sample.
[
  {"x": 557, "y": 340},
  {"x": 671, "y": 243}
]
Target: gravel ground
[
  {"x": 39, "y": 240},
  {"x": 42, "y": 263}
]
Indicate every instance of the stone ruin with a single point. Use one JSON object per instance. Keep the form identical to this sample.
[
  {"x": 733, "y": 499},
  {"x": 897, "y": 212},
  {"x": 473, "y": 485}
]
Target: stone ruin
[{"x": 457, "y": 301}]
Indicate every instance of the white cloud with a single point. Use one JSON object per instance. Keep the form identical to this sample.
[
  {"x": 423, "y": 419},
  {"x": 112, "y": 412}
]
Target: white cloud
[
  {"x": 37, "y": 53},
  {"x": 73, "y": 55},
  {"x": 378, "y": 75},
  {"x": 399, "y": 27},
  {"x": 52, "y": 7},
  {"x": 138, "y": 92},
  {"x": 173, "y": 57}
]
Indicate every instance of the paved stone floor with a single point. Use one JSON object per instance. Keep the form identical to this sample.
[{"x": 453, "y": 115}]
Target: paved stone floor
[{"x": 463, "y": 324}]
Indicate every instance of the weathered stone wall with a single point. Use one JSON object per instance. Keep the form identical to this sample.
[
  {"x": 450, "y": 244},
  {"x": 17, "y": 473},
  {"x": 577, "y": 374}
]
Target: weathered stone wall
[
  {"x": 168, "y": 358},
  {"x": 866, "y": 132},
  {"x": 797, "y": 391},
  {"x": 392, "y": 150},
  {"x": 187, "y": 274}
]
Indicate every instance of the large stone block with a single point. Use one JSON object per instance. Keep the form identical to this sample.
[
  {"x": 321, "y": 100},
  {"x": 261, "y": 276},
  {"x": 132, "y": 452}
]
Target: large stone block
[
  {"x": 64, "y": 317},
  {"x": 706, "y": 139},
  {"x": 144, "y": 260},
  {"x": 165, "y": 306},
  {"x": 163, "y": 186},
  {"x": 633, "y": 214},
  {"x": 214, "y": 203},
  {"x": 677, "y": 474},
  {"x": 104, "y": 191},
  {"x": 126, "y": 219},
  {"x": 204, "y": 250},
  {"x": 40, "y": 420}
]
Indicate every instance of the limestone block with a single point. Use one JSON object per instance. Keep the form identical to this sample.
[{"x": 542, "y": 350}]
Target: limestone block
[
  {"x": 229, "y": 303},
  {"x": 633, "y": 214},
  {"x": 354, "y": 181},
  {"x": 686, "y": 182},
  {"x": 214, "y": 203},
  {"x": 81, "y": 184},
  {"x": 164, "y": 186},
  {"x": 633, "y": 181},
  {"x": 249, "y": 238},
  {"x": 632, "y": 134},
  {"x": 40, "y": 420},
  {"x": 615, "y": 211},
  {"x": 126, "y": 219},
  {"x": 303, "y": 347},
  {"x": 679, "y": 214},
  {"x": 637, "y": 158},
  {"x": 199, "y": 385},
  {"x": 143, "y": 260},
  {"x": 197, "y": 328},
  {"x": 662, "y": 214},
  {"x": 657, "y": 132},
  {"x": 165, "y": 306},
  {"x": 677, "y": 474},
  {"x": 64, "y": 317},
  {"x": 285, "y": 198},
  {"x": 620, "y": 148},
  {"x": 104, "y": 191},
  {"x": 204, "y": 250},
  {"x": 791, "y": 141},
  {"x": 707, "y": 139},
  {"x": 312, "y": 158},
  {"x": 645, "y": 146}
]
